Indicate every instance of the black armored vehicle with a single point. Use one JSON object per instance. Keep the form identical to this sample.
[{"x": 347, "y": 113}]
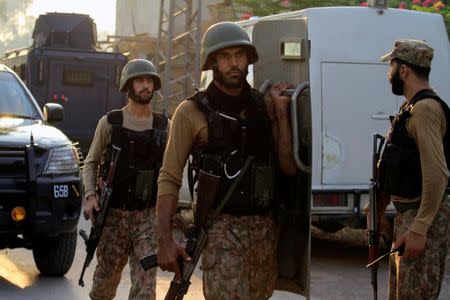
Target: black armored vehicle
[
  {"x": 40, "y": 186},
  {"x": 65, "y": 66}
]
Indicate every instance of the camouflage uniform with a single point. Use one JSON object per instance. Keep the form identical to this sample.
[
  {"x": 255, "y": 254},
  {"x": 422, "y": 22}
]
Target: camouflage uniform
[
  {"x": 130, "y": 229},
  {"x": 126, "y": 234},
  {"x": 239, "y": 259},
  {"x": 412, "y": 51},
  {"x": 403, "y": 280},
  {"x": 428, "y": 214}
]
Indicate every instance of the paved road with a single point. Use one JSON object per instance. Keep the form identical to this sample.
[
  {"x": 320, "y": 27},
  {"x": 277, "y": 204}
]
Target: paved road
[{"x": 337, "y": 272}]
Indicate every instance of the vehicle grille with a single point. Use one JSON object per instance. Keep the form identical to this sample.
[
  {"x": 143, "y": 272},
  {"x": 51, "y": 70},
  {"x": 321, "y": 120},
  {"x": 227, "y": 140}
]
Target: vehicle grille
[{"x": 12, "y": 162}]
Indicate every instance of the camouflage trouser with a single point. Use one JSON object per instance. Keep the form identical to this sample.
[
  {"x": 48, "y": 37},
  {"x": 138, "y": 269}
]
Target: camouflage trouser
[
  {"x": 421, "y": 278},
  {"x": 126, "y": 234},
  {"x": 240, "y": 260}
]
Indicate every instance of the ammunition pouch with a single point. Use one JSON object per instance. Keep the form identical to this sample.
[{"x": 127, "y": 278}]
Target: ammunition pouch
[
  {"x": 262, "y": 185},
  {"x": 144, "y": 185},
  {"x": 254, "y": 194}
]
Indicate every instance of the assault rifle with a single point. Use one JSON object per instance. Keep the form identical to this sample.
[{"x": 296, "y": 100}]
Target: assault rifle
[
  {"x": 374, "y": 218},
  {"x": 208, "y": 187},
  {"x": 99, "y": 221}
]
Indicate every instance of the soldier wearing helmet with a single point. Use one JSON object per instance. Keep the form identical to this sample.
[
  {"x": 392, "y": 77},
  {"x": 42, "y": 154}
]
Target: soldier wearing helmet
[
  {"x": 229, "y": 133},
  {"x": 129, "y": 231},
  {"x": 414, "y": 166}
]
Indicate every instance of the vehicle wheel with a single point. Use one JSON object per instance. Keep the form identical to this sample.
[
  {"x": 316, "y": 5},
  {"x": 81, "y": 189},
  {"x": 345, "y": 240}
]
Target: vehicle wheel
[{"x": 54, "y": 255}]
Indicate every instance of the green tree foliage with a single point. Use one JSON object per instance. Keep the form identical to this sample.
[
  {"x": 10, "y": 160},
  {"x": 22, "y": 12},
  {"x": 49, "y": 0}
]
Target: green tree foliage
[
  {"x": 248, "y": 8},
  {"x": 441, "y": 7},
  {"x": 268, "y": 7}
]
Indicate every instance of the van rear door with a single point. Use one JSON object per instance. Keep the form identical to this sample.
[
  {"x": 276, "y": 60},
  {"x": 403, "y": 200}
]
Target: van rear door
[
  {"x": 353, "y": 108},
  {"x": 283, "y": 51}
]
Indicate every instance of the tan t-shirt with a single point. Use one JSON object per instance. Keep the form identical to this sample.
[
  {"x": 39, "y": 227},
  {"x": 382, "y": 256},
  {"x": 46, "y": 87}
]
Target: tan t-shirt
[
  {"x": 102, "y": 138},
  {"x": 427, "y": 125},
  {"x": 189, "y": 127}
]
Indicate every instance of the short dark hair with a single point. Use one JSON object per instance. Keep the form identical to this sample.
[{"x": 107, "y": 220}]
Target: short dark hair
[{"x": 421, "y": 72}]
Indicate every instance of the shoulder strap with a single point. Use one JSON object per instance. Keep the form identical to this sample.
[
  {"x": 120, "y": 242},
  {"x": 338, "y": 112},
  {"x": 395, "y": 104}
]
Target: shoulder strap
[
  {"x": 201, "y": 99},
  {"x": 160, "y": 121},
  {"x": 258, "y": 99},
  {"x": 427, "y": 94},
  {"x": 115, "y": 117}
]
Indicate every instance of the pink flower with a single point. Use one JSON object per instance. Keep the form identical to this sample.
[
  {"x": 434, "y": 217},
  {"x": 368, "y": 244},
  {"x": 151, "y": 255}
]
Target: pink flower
[
  {"x": 417, "y": 2},
  {"x": 285, "y": 3},
  {"x": 403, "y": 5},
  {"x": 247, "y": 15},
  {"x": 364, "y": 4},
  {"x": 427, "y": 3}
]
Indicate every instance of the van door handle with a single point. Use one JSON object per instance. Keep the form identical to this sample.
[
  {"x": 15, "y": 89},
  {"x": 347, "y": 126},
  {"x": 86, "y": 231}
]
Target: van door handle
[{"x": 380, "y": 116}]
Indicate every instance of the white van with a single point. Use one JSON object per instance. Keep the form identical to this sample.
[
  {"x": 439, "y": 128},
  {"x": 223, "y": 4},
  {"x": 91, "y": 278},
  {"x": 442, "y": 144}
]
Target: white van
[{"x": 337, "y": 50}]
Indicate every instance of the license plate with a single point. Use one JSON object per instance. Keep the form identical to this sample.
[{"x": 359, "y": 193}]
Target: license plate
[{"x": 65, "y": 191}]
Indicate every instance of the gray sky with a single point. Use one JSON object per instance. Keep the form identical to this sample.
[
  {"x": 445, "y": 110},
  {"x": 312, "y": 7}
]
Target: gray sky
[{"x": 18, "y": 15}]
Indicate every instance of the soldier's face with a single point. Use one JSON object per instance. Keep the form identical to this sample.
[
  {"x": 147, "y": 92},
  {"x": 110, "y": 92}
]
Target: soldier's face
[
  {"x": 230, "y": 67},
  {"x": 142, "y": 89},
  {"x": 397, "y": 84}
]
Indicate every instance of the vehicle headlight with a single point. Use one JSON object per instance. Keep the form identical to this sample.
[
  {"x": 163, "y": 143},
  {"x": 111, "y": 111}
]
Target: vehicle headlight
[{"x": 62, "y": 160}]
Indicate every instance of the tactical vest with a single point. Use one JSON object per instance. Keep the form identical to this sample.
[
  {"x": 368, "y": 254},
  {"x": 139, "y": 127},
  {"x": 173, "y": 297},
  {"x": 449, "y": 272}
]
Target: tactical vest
[
  {"x": 231, "y": 140},
  {"x": 400, "y": 169},
  {"x": 134, "y": 185}
]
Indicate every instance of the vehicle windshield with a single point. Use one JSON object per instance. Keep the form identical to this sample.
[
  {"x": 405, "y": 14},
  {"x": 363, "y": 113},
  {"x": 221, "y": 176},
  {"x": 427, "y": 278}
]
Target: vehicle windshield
[{"x": 14, "y": 101}]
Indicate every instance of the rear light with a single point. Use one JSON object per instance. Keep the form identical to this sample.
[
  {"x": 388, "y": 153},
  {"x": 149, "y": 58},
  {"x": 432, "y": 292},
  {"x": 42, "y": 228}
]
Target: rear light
[
  {"x": 18, "y": 213},
  {"x": 321, "y": 200}
]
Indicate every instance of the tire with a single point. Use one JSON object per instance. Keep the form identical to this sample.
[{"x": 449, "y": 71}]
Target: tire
[{"x": 54, "y": 256}]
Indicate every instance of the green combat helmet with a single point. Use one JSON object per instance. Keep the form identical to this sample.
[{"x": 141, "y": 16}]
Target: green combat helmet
[
  {"x": 223, "y": 35},
  {"x": 139, "y": 67}
]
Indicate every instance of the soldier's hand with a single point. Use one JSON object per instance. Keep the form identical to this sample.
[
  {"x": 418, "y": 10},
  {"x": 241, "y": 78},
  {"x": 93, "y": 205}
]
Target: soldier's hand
[
  {"x": 168, "y": 253},
  {"x": 414, "y": 244},
  {"x": 280, "y": 102},
  {"x": 91, "y": 206}
]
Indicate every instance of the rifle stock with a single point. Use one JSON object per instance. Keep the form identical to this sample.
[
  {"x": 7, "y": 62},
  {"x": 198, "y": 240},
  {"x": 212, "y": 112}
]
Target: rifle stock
[
  {"x": 97, "y": 227},
  {"x": 374, "y": 217}
]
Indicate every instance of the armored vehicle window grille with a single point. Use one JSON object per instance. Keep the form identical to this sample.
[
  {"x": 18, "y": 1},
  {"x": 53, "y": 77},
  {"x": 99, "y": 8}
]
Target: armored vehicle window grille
[{"x": 78, "y": 77}]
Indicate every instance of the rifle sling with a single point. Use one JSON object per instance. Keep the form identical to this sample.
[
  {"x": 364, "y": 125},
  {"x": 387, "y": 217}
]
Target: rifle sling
[{"x": 232, "y": 187}]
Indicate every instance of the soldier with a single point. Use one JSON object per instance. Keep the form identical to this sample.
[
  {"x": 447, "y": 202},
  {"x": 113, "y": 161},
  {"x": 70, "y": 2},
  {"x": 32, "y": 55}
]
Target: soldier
[
  {"x": 130, "y": 227},
  {"x": 415, "y": 172},
  {"x": 222, "y": 127}
]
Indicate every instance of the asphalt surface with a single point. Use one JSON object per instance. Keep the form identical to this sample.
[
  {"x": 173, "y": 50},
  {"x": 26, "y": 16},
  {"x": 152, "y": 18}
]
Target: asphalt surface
[{"x": 337, "y": 272}]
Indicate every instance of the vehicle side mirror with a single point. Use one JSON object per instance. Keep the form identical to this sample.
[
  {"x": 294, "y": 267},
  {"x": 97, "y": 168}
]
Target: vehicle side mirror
[{"x": 53, "y": 112}]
